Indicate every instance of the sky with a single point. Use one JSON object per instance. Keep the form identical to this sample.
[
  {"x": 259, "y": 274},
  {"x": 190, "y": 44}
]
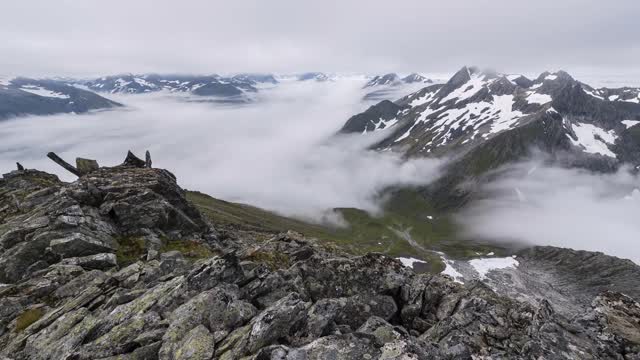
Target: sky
[{"x": 88, "y": 38}]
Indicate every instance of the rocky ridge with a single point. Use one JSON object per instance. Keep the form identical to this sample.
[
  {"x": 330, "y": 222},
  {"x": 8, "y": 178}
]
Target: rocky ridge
[{"x": 119, "y": 265}]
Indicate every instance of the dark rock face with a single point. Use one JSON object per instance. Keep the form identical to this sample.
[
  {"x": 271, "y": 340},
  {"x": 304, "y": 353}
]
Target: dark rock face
[
  {"x": 69, "y": 297},
  {"x": 46, "y": 221},
  {"x": 373, "y": 118},
  {"x": 569, "y": 279}
]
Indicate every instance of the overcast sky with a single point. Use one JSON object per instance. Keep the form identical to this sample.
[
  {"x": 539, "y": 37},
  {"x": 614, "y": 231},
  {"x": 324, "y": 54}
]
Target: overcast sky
[{"x": 70, "y": 37}]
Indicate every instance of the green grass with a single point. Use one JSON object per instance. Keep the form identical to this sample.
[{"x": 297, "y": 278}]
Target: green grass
[
  {"x": 191, "y": 249},
  {"x": 273, "y": 260},
  {"x": 27, "y": 318},
  {"x": 405, "y": 218},
  {"x": 130, "y": 249}
]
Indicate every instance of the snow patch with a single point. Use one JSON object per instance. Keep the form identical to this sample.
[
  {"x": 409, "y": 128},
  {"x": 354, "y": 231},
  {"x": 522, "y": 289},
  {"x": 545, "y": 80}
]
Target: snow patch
[
  {"x": 537, "y": 98},
  {"x": 467, "y": 90},
  {"x": 451, "y": 271},
  {"x": 409, "y": 261},
  {"x": 385, "y": 124},
  {"x": 484, "y": 266},
  {"x": 593, "y": 139},
  {"x": 508, "y": 117},
  {"x": 592, "y": 93},
  {"x": 5, "y": 80},
  {"x": 422, "y": 100},
  {"x": 630, "y": 123},
  {"x": 144, "y": 82},
  {"x": 40, "y": 91}
]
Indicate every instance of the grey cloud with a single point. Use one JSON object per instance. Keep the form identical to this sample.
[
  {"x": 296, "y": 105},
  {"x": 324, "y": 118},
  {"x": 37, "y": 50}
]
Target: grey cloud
[
  {"x": 274, "y": 153},
  {"x": 539, "y": 205},
  {"x": 89, "y": 38}
]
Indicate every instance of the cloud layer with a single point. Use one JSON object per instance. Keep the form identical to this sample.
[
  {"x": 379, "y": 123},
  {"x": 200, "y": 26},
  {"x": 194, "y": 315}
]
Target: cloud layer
[
  {"x": 93, "y": 38},
  {"x": 539, "y": 205},
  {"x": 278, "y": 153}
]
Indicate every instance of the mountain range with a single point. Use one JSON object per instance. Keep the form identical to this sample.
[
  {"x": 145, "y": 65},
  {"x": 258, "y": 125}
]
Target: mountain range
[
  {"x": 483, "y": 120},
  {"x": 23, "y": 96},
  {"x": 393, "y": 79},
  {"x": 384, "y": 87},
  {"x": 210, "y": 85},
  {"x": 27, "y": 96}
]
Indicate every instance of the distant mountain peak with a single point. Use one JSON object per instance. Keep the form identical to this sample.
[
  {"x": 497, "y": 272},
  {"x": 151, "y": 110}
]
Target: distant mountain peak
[
  {"x": 415, "y": 78},
  {"x": 475, "y": 106},
  {"x": 382, "y": 80},
  {"x": 317, "y": 76}
]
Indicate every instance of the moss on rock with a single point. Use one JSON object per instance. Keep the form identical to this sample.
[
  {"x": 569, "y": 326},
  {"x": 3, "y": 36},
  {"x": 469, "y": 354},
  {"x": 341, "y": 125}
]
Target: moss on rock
[{"x": 28, "y": 317}]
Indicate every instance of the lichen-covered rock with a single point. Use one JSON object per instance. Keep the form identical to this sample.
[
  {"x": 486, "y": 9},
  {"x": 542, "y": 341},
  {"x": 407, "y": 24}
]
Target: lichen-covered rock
[
  {"x": 91, "y": 257},
  {"x": 86, "y": 166},
  {"x": 96, "y": 261},
  {"x": 197, "y": 345}
]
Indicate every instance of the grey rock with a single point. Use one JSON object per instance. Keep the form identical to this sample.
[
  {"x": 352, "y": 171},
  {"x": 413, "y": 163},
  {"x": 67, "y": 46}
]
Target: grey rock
[
  {"x": 86, "y": 166},
  {"x": 78, "y": 244},
  {"x": 97, "y": 261},
  {"x": 198, "y": 345},
  {"x": 132, "y": 160},
  {"x": 313, "y": 303}
]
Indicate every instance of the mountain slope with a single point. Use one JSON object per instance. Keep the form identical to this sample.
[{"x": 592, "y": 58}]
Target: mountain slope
[
  {"x": 120, "y": 264},
  {"x": 407, "y": 228},
  {"x": 23, "y": 96},
  {"x": 485, "y": 119},
  {"x": 415, "y": 78}
]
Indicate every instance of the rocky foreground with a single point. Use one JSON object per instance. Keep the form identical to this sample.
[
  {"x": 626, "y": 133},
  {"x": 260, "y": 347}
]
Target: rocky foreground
[{"x": 119, "y": 265}]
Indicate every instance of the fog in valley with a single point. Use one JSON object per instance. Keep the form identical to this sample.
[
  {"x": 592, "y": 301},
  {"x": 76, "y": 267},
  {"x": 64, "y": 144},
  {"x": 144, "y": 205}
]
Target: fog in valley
[
  {"x": 280, "y": 152},
  {"x": 539, "y": 205}
]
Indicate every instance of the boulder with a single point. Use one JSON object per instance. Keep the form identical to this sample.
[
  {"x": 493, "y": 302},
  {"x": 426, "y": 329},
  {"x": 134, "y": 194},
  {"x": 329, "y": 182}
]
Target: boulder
[
  {"x": 86, "y": 166},
  {"x": 78, "y": 244},
  {"x": 98, "y": 261}
]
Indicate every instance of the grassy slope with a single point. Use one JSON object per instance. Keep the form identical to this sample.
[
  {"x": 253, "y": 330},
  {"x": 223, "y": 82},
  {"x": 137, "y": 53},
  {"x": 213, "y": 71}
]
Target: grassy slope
[{"x": 404, "y": 219}]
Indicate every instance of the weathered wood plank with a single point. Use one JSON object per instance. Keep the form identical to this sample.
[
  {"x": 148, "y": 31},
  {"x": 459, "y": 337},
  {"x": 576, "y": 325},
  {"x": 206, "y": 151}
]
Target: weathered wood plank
[{"x": 58, "y": 160}]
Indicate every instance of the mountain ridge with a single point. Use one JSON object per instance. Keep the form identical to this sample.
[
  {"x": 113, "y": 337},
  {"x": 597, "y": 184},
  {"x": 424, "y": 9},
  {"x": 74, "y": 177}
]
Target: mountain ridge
[
  {"x": 24, "y": 96},
  {"x": 121, "y": 264},
  {"x": 484, "y": 120}
]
